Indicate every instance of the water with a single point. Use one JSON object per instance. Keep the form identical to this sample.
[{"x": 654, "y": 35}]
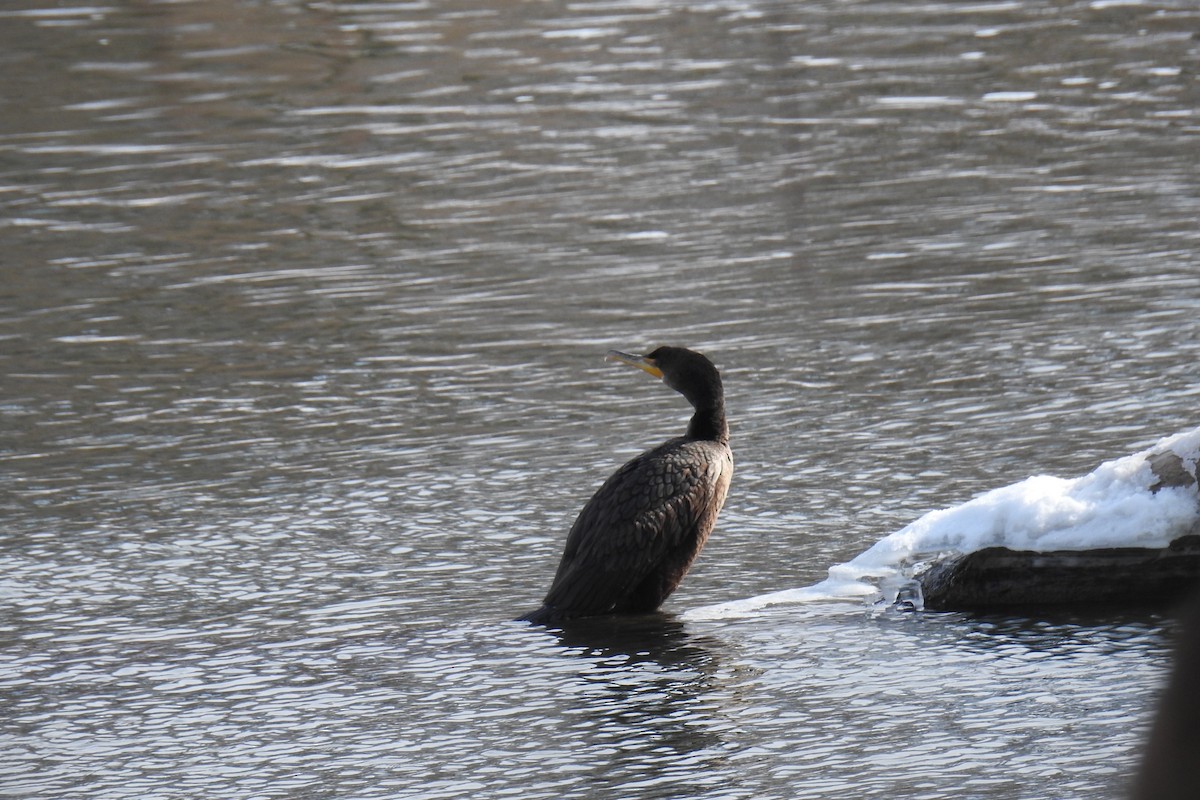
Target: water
[{"x": 301, "y": 332}]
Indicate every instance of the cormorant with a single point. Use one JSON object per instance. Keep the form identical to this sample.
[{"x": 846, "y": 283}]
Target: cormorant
[{"x": 638, "y": 535}]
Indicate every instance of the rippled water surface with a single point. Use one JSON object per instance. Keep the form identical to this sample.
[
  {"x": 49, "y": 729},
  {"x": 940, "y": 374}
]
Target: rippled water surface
[{"x": 301, "y": 321}]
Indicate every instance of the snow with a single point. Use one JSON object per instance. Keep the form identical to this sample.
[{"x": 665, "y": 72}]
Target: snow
[{"x": 1113, "y": 506}]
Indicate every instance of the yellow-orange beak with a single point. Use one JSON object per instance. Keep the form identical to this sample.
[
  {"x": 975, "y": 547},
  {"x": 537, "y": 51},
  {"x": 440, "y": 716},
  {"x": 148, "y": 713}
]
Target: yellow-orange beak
[{"x": 641, "y": 362}]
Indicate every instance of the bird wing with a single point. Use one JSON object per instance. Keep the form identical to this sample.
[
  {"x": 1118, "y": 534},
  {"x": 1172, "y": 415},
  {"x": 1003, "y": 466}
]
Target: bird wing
[{"x": 646, "y": 509}]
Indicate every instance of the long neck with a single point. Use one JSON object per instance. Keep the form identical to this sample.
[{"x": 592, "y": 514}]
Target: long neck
[{"x": 709, "y": 423}]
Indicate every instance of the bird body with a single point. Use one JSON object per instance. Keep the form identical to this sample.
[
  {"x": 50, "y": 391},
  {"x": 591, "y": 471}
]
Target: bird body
[{"x": 634, "y": 541}]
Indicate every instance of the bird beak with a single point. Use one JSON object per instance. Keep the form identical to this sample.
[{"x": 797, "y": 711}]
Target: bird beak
[{"x": 641, "y": 362}]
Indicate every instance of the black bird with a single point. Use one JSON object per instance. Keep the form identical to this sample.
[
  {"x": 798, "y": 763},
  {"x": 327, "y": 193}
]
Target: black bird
[{"x": 638, "y": 535}]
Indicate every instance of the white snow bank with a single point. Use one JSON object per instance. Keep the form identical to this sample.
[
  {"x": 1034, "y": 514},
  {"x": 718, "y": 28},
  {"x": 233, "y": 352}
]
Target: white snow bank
[{"x": 1112, "y": 506}]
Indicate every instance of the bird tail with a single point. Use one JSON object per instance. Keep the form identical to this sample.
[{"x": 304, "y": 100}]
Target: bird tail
[{"x": 541, "y": 616}]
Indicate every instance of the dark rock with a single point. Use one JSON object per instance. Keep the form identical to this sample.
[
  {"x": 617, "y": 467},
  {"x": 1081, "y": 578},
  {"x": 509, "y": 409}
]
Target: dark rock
[
  {"x": 997, "y": 577},
  {"x": 1168, "y": 770},
  {"x": 1170, "y": 470}
]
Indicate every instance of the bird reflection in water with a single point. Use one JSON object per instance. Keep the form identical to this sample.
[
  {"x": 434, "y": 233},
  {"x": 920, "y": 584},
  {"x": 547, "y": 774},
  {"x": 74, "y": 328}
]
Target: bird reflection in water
[
  {"x": 653, "y": 638},
  {"x": 653, "y": 682}
]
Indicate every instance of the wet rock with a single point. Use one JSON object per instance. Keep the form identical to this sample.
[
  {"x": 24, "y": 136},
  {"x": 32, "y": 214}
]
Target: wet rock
[
  {"x": 997, "y": 577},
  {"x": 1170, "y": 470}
]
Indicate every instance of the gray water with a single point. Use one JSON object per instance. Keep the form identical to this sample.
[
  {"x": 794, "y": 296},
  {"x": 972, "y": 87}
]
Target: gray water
[{"x": 301, "y": 326}]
